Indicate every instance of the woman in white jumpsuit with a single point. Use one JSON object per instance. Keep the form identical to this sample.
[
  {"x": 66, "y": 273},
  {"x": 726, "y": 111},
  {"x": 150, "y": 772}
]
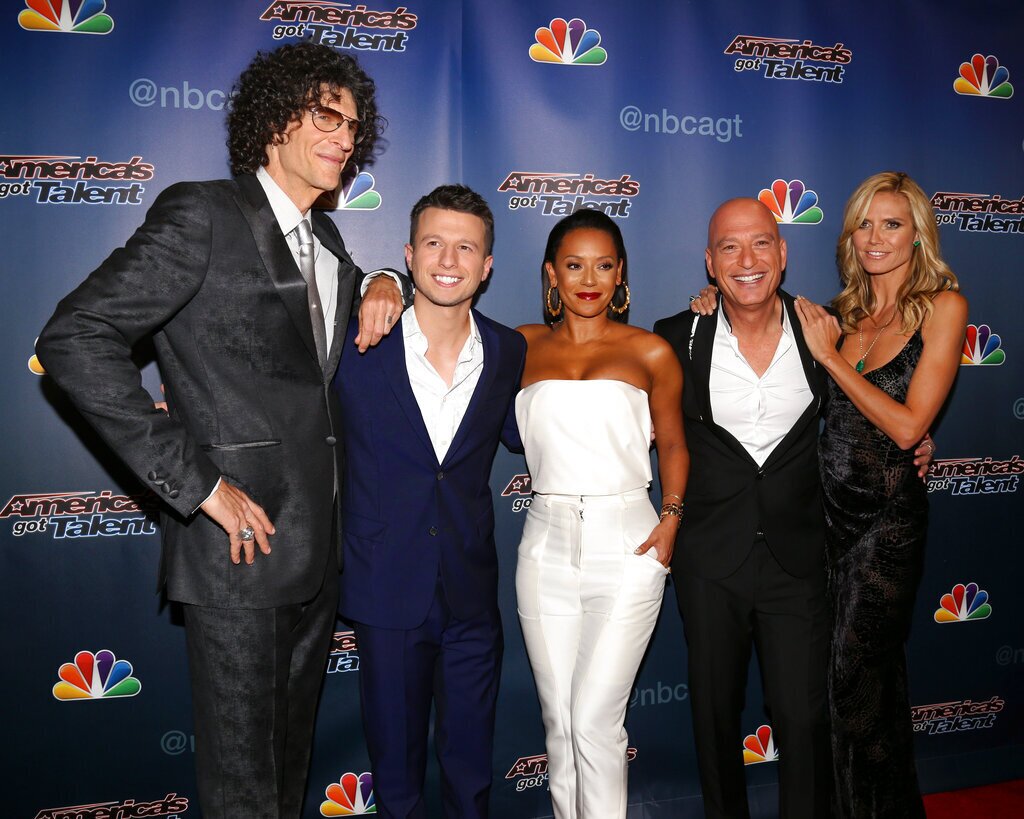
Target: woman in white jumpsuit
[{"x": 595, "y": 553}]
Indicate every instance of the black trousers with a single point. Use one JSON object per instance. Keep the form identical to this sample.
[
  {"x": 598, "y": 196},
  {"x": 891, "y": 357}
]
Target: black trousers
[
  {"x": 256, "y": 679},
  {"x": 786, "y": 618}
]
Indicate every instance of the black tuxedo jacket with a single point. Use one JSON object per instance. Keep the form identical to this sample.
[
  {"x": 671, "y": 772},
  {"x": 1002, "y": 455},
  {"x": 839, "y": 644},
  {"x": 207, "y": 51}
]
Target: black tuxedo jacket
[
  {"x": 729, "y": 499},
  {"x": 408, "y": 519},
  {"x": 210, "y": 277}
]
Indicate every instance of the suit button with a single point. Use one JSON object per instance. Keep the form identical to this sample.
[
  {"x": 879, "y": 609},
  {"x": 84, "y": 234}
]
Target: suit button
[
  {"x": 440, "y": 475},
  {"x": 152, "y": 476},
  {"x": 173, "y": 494},
  {"x": 433, "y": 531},
  {"x": 331, "y": 440},
  {"x": 760, "y": 474}
]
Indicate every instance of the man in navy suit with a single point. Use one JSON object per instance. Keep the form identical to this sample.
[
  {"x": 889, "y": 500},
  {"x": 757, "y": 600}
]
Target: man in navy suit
[{"x": 423, "y": 416}]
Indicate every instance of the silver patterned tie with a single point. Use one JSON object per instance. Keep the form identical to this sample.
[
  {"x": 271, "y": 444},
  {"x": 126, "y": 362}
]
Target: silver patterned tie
[{"x": 307, "y": 266}]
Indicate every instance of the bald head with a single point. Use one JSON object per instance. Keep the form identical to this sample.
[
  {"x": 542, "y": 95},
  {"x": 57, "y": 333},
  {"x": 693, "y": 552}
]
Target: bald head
[{"x": 742, "y": 211}]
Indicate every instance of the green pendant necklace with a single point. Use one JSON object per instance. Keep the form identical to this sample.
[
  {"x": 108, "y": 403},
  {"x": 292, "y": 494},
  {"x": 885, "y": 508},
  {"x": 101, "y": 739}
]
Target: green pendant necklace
[{"x": 864, "y": 353}]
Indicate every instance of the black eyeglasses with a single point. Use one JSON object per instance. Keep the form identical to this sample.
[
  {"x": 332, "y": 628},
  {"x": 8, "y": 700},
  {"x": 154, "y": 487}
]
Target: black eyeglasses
[{"x": 328, "y": 120}]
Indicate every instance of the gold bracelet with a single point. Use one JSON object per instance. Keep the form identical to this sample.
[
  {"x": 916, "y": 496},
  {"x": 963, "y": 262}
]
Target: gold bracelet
[{"x": 671, "y": 509}]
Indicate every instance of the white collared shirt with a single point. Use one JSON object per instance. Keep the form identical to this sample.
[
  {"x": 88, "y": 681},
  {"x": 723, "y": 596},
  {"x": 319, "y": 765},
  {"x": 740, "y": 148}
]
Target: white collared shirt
[
  {"x": 441, "y": 406},
  {"x": 757, "y": 412},
  {"x": 288, "y": 217}
]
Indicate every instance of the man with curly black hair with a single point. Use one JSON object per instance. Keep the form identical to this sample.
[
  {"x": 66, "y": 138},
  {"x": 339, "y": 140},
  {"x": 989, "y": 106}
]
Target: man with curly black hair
[{"x": 242, "y": 297}]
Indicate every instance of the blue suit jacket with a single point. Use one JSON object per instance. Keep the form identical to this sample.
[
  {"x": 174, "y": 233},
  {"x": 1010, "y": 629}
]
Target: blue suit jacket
[{"x": 406, "y": 519}]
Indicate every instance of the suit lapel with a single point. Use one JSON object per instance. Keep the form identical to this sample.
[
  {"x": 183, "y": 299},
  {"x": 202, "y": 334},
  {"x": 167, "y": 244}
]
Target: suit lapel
[
  {"x": 703, "y": 347},
  {"x": 489, "y": 339},
  {"x": 325, "y": 230},
  {"x": 277, "y": 257},
  {"x": 813, "y": 374},
  {"x": 700, "y": 357},
  {"x": 392, "y": 362}
]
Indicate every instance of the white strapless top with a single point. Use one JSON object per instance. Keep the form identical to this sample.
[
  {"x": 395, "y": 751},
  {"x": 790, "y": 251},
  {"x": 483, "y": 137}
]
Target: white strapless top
[{"x": 588, "y": 437}]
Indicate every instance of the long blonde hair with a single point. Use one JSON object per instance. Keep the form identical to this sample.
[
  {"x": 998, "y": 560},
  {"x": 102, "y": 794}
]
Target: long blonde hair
[{"x": 929, "y": 274}]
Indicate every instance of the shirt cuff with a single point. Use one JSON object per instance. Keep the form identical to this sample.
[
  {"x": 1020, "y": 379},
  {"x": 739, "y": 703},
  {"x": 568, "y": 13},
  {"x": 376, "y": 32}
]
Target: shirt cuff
[
  {"x": 216, "y": 486},
  {"x": 373, "y": 274}
]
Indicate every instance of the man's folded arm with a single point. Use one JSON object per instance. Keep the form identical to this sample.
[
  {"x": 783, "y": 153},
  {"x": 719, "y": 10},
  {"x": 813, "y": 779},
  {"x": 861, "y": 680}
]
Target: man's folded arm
[{"x": 87, "y": 345}]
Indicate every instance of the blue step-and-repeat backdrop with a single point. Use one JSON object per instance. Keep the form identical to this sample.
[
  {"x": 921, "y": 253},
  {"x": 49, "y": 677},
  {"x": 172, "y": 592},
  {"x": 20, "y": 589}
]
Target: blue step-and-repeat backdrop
[{"x": 651, "y": 111}]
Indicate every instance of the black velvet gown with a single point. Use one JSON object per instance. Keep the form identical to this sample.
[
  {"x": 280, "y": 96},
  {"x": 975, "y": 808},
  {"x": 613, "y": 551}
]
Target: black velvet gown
[{"x": 876, "y": 509}]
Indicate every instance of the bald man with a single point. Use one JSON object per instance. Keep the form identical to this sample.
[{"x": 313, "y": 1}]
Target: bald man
[{"x": 749, "y": 559}]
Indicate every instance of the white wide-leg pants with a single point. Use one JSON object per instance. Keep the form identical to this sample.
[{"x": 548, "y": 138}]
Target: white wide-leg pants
[{"x": 587, "y": 606}]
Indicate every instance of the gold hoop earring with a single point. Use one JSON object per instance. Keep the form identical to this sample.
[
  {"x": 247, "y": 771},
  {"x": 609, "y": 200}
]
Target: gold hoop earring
[
  {"x": 625, "y": 305},
  {"x": 553, "y": 311}
]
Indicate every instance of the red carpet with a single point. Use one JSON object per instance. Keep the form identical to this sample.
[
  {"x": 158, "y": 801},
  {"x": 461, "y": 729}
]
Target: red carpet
[{"x": 1004, "y": 800}]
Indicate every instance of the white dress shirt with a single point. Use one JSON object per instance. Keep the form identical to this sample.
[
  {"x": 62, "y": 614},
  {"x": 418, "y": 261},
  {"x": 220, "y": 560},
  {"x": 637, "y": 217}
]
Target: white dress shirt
[
  {"x": 441, "y": 406},
  {"x": 757, "y": 412},
  {"x": 288, "y": 217}
]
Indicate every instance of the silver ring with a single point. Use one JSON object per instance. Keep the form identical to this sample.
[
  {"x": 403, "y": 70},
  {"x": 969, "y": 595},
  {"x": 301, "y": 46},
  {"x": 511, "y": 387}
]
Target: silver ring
[
  {"x": 931, "y": 447},
  {"x": 247, "y": 533}
]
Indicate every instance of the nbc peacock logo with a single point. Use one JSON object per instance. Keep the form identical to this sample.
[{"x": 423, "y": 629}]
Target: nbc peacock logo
[
  {"x": 760, "y": 747},
  {"x": 359, "y": 194},
  {"x": 983, "y": 77},
  {"x": 352, "y": 795},
  {"x": 568, "y": 43},
  {"x": 791, "y": 203},
  {"x": 982, "y": 347},
  {"x": 963, "y": 604},
  {"x": 99, "y": 676},
  {"x": 35, "y": 366},
  {"x": 67, "y": 16}
]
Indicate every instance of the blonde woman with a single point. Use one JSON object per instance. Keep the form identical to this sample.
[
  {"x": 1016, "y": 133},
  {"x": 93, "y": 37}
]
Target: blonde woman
[{"x": 892, "y": 356}]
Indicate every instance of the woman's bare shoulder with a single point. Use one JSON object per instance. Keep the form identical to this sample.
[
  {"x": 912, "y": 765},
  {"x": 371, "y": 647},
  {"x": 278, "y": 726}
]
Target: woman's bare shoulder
[{"x": 533, "y": 331}]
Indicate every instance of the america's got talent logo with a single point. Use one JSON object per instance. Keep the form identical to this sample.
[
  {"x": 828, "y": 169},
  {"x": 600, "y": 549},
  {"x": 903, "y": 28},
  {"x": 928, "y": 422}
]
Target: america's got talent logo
[
  {"x": 559, "y": 194},
  {"x": 341, "y": 25},
  {"x": 74, "y": 180},
  {"x": 789, "y": 59}
]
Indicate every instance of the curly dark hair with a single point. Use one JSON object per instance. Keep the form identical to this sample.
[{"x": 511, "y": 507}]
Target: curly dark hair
[{"x": 277, "y": 87}]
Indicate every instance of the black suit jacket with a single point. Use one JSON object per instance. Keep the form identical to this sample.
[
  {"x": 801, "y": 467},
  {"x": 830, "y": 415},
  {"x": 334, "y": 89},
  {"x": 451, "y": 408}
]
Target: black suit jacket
[
  {"x": 210, "y": 277},
  {"x": 409, "y": 519},
  {"x": 729, "y": 499}
]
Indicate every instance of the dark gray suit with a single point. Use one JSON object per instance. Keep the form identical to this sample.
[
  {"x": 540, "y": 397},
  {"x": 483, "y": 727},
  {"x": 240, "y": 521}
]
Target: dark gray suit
[{"x": 211, "y": 278}]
